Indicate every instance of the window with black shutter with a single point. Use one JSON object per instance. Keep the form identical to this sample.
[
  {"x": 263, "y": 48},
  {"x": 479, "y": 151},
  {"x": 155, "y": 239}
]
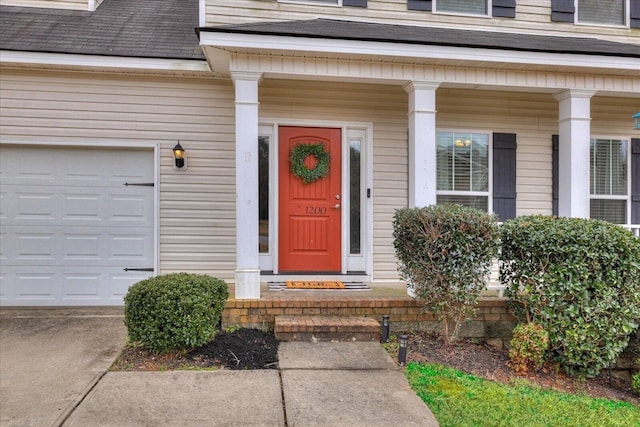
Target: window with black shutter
[
  {"x": 499, "y": 8},
  {"x": 597, "y": 12}
]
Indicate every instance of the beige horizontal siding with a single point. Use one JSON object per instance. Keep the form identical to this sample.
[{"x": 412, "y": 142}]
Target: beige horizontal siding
[
  {"x": 197, "y": 206},
  {"x": 532, "y": 16},
  {"x": 611, "y": 114}
]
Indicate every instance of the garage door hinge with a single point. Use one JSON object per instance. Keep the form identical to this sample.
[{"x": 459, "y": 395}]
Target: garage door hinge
[{"x": 139, "y": 184}]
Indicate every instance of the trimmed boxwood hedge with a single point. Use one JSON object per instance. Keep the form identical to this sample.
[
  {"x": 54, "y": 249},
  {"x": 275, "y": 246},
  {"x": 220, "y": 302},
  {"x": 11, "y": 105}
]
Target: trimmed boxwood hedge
[
  {"x": 177, "y": 310},
  {"x": 580, "y": 279}
]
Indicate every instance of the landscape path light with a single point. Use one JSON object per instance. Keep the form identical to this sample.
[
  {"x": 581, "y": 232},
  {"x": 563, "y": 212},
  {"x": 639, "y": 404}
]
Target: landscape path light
[
  {"x": 402, "y": 353},
  {"x": 385, "y": 328}
]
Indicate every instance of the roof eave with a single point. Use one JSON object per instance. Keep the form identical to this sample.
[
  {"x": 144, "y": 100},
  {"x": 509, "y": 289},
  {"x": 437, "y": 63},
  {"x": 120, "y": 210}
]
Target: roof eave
[{"x": 261, "y": 42}]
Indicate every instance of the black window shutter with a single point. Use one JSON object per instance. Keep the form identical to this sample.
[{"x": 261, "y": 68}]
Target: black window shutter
[
  {"x": 635, "y": 181},
  {"x": 504, "y": 8},
  {"x": 562, "y": 10},
  {"x": 355, "y": 3},
  {"x": 555, "y": 170},
  {"x": 635, "y": 13},
  {"x": 504, "y": 175},
  {"x": 419, "y": 5}
]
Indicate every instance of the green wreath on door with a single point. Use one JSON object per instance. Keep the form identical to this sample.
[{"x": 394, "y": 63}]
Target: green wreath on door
[{"x": 299, "y": 154}]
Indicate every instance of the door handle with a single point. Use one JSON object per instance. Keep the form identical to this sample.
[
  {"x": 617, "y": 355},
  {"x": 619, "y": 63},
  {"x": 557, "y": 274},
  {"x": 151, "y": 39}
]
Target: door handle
[{"x": 336, "y": 206}]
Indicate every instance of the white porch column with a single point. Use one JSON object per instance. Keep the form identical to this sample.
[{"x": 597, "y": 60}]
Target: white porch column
[
  {"x": 247, "y": 257},
  {"x": 422, "y": 143},
  {"x": 573, "y": 155}
]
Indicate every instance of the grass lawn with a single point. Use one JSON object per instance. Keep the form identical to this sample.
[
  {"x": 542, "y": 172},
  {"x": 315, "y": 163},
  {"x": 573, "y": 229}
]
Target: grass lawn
[{"x": 458, "y": 399}]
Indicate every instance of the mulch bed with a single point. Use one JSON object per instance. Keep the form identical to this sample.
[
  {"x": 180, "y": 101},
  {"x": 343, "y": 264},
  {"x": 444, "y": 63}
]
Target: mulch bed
[
  {"x": 257, "y": 349},
  {"x": 241, "y": 349}
]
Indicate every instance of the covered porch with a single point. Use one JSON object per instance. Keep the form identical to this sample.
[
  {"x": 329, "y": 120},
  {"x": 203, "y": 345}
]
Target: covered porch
[{"x": 396, "y": 100}]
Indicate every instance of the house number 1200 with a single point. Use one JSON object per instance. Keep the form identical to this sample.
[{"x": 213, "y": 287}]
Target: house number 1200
[{"x": 315, "y": 210}]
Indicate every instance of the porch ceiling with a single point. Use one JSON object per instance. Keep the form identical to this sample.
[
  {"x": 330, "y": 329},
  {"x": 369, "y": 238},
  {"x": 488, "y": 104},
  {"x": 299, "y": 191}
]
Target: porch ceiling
[{"x": 480, "y": 75}]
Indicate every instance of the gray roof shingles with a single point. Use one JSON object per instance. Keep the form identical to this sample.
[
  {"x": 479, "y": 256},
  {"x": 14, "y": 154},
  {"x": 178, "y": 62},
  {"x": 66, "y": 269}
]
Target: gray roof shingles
[
  {"x": 350, "y": 30},
  {"x": 165, "y": 29},
  {"x": 127, "y": 28}
]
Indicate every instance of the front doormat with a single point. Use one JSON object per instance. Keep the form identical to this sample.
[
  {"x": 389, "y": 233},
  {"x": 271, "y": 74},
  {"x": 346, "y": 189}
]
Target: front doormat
[
  {"x": 347, "y": 286},
  {"x": 315, "y": 284}
]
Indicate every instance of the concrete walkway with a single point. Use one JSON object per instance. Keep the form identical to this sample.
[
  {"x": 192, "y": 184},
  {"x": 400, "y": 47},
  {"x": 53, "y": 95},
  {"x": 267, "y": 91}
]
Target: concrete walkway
[
  {"x": 51, "y": 358},
  {"x": 318, "y": 384}
]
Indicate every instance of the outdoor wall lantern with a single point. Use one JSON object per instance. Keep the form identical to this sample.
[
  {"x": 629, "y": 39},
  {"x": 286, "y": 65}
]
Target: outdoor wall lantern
[
  {"x": 385, "y": 328},
  {"x": 402, "y": 353},
  {"x": 636, "y": 118},
  {"x": 179, "y": 156}
]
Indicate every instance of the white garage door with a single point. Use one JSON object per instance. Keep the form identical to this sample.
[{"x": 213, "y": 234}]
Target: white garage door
[{"x": 71, "y": 221}]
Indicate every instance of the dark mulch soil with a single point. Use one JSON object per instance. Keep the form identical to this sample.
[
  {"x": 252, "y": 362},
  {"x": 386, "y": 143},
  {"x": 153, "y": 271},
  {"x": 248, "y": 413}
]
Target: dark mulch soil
[
  {"x": 484, "y": 361},
  {"x": 257, "y": 349},
  {"x": 241, "y": 349}
]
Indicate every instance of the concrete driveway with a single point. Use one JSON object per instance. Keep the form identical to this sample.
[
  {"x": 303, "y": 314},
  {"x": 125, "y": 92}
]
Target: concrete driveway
[{"x": 50, "y": 359}]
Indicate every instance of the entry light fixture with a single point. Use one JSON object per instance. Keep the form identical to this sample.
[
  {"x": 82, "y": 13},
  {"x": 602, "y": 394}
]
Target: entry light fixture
[
  {"x": 179, "y": 156},
  {"x": 402, "y": 352},
  {"x": 636, "y": 119}
]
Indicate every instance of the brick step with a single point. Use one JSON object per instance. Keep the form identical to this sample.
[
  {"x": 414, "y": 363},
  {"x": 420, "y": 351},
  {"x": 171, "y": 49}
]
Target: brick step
[{"x": 326, "y": 328}]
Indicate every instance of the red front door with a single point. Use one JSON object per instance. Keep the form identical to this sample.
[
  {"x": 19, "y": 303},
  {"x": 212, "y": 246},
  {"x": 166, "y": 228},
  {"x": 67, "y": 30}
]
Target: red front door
[{"x": 309, "y": 214}]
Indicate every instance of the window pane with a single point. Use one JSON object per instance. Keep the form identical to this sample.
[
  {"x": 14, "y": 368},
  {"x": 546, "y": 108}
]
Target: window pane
[
  {"x": 608, "y": 165},
  {"x": 614, "y": 211},
  {"x": 462, "y": 161},
  {"x": 601, "y": 11},
  {"x": 354, "y": 196},
  {"x": 478, "y": 7},
  {"x": 263, "y": 194},
  {"x": 478, "y": 202}
]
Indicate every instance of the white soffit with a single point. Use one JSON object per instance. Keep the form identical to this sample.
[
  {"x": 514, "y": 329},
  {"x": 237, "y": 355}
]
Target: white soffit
[{"x": 405, "y": 52}]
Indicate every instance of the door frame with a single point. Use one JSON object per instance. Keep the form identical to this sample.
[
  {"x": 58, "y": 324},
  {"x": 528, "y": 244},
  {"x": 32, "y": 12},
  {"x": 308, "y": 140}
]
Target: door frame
[{"x": 359, "y": 265}]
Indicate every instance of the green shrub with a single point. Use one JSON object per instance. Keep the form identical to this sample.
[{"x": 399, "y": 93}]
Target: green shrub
[
  {"x": 178, "y": 310},
  {"x": 445, "y": 252},
  {"x": 528, "y": 347},
  {"x": 578, "y": 278}
]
